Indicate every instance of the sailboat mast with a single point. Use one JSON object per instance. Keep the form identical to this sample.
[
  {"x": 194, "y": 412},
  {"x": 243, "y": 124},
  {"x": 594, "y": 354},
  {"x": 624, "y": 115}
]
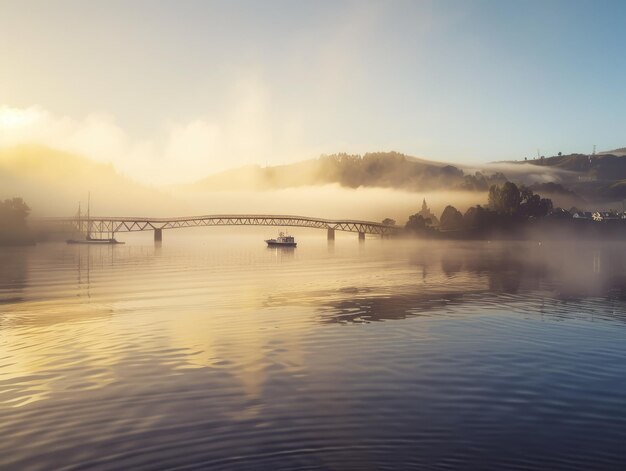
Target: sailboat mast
[{"x": 89, "y": 215}]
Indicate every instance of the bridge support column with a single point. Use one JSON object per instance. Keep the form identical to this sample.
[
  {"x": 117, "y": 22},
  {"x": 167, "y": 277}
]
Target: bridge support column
[
  {"x": 361, "y": 237},
  {"x": 331, "y": 233},
  {"x": 158, "y": 236}
]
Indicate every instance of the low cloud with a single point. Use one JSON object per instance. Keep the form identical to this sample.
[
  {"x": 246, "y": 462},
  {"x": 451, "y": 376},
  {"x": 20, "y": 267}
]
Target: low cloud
[{"x": 179, "y": 152}]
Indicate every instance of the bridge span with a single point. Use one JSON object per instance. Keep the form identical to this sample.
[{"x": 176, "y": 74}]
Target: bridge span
[{"x": 109, "y": 226}]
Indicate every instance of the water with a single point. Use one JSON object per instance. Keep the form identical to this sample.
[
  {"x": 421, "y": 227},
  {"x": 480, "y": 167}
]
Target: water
[{"x": 214, "y": 352}]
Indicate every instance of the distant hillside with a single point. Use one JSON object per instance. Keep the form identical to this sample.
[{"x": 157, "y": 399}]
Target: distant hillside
[
  {"x": 53, "y": 182},
  {"x": 602, "y": 166},
  {"x": 572, "y": 162},
  {"x": 600, "y": 177},
  {"x": 381, "y": 169},
  {"x": 619, "y": 152}
]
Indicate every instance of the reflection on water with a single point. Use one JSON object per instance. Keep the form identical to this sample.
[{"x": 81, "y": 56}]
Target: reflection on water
[
  {"x": 13, "y": 273},
  {"x": 222, "y": 353}
]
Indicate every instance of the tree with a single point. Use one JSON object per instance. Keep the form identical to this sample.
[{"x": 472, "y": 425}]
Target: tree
[
  {"x": 451, "y": 219},
  {"x": 478, "y": 217},
  {"x": 389, "y": 222},
  {"x": 416, "y": 224},
  {"x": 545, "y": 207},
  {"x": 560, "y": 154},
  {"x": 13, "y": 214},
  {"x": 471, "y": 218},
  {"x": 505, "y": 199},
  {"x": 533, "y": 205}
]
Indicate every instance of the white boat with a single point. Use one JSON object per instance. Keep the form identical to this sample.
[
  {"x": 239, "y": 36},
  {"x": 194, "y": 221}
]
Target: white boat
[{"x": 282, "y": 241}]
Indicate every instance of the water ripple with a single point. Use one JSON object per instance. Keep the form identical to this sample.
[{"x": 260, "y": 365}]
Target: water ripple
[{"x": 382, "y": 356}]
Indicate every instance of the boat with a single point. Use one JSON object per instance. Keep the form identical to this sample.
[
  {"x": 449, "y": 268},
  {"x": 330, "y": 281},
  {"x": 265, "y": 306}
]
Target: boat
[
  {"x": 91, "y": 241},
  {"x": 88, "y": 239},
  {"x": 282, "y": 241}
]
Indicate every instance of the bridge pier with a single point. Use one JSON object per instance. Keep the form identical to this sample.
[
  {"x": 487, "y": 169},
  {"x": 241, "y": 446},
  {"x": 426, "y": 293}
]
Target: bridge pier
[
  {"x": 361, "y": 237},
  {"x": 330, "y": 233},
  {"x": 158, "y": 236}
]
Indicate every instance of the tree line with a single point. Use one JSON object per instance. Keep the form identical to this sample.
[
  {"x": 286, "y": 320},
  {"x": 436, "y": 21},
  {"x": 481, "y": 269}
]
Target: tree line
[
  {"x": 396, "y": 170},
  {"x": 508, "y": 207}
]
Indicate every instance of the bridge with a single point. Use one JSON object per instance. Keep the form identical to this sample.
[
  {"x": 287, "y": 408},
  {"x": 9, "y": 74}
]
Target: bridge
[{"x": 103, "y": 227}]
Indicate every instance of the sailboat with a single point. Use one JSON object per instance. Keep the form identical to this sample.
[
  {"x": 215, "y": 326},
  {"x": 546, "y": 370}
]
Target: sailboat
[{"x": 88, "y": 239}]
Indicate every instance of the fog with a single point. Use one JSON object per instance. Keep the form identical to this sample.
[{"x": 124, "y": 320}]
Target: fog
[
  {"x": 330, "y": 201},
  {"x": 374, "y": 187},
  {"x": 373, "y": 169},
  {"x": 525, "y": 173},
  {"x": 53, "y": 183}
]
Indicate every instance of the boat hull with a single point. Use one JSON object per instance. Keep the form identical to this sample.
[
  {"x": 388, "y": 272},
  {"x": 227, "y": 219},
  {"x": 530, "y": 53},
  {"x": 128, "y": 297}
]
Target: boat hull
[
  {"x": 95, "y": 242},
  {"x": 273, "y": 243}
]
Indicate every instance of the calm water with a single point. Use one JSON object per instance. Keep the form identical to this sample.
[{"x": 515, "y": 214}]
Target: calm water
[{"x": 215, "y": 352}]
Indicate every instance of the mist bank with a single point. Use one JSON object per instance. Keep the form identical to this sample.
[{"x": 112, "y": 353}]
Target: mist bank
[
  {"x": 329, "y": 201},
  {"x": 373, "y": 186},
  {"x": 376, "y": 169},
  {"x": 593, "y": 186},
  {"x": 53, "y": 183}
]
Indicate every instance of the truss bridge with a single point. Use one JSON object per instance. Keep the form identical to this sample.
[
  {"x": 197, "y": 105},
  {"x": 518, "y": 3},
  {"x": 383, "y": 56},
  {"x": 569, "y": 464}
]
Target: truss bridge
[{"x": 107, "y": 226}]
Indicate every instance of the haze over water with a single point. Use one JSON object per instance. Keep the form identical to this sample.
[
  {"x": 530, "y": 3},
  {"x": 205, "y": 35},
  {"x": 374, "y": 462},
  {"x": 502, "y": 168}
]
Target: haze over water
[{"x": 213, "y": 351}]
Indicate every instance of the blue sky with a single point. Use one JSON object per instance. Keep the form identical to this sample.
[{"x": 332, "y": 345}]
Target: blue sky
[{"x": 237, "y": 82}]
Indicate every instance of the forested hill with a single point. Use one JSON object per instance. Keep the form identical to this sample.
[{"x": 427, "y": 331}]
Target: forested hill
[
  {"x": 593, "y": 176},
  {"x": 380, "y": 169}
]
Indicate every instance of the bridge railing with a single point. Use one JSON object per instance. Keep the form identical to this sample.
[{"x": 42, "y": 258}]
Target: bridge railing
[{"x": 114, "y": 224}]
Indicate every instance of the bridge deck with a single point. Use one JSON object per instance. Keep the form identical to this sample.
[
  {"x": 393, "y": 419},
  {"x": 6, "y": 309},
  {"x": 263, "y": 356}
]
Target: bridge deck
[{"x": 112, "y": 225}]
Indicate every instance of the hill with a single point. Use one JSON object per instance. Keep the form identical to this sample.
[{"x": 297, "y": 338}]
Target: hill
[
  {"x": 600, "y": 166},
  {"x": 570, "y": 180},
  {"x": 595, "y": 177},
  {"x": 380, "y": 169},
  {"x": 53, "y": 182}
]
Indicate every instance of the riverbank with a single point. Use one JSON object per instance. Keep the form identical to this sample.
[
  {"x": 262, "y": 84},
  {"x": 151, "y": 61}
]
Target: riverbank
[{"x": 540, "y": 229}]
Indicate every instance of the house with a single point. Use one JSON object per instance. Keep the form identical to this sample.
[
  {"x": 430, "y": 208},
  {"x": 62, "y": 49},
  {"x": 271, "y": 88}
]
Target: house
[
  {"x": 582, "y": 215},
  {"x": 605, "y": 216}
]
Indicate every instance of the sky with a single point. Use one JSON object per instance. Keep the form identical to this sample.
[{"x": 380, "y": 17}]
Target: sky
[{"x": 172, "y": 91}]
